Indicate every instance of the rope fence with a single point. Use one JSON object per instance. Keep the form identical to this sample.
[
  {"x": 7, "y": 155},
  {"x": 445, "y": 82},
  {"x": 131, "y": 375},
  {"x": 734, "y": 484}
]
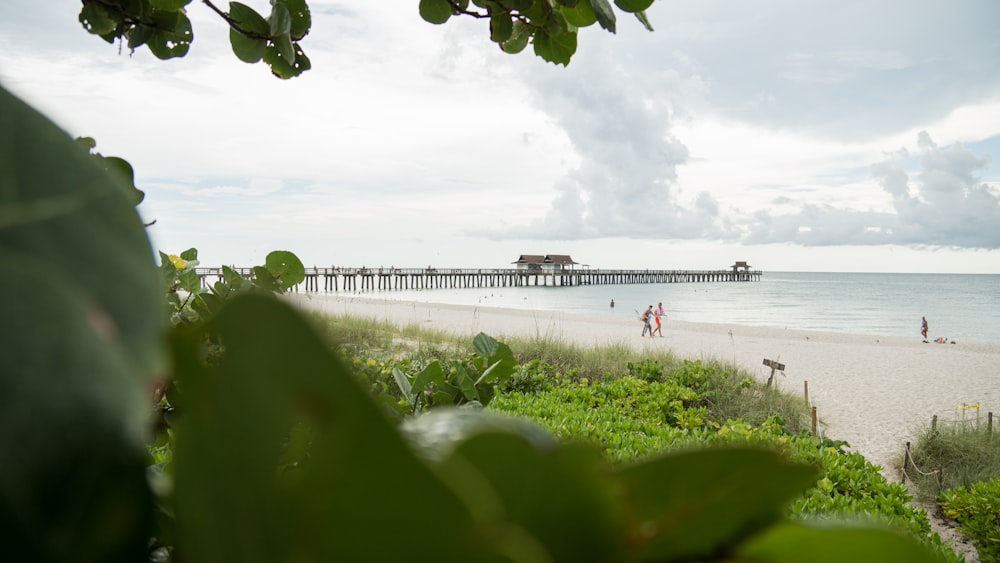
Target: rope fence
[{"x": 965, "y": 423}]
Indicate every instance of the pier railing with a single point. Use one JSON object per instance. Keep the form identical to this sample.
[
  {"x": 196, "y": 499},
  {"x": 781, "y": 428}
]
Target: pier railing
[{"x": 372, "y": 279}]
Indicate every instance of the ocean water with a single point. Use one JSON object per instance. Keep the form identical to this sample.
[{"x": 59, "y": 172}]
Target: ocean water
[{"x": 960, "y": 307}]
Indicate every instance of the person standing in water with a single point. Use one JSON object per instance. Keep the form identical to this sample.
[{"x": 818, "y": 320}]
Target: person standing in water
[{"x": 923, "y": 328}]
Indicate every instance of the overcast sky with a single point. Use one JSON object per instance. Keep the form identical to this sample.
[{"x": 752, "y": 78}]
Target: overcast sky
[{"x": 797, "y": 135}]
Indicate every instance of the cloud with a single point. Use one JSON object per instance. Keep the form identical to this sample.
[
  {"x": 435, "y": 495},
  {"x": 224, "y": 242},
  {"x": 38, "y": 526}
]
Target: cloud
[{"x": 943, "y": 204}]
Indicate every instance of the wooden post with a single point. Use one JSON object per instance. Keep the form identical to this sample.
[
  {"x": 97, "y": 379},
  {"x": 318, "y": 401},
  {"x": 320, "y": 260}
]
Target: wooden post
[
  {"x": 774, "y": 366},
  {"x": 806, "y": 392},
  {"x": 934, "y": 424},
  {"x": 906, "y": 461},
  {"x": 989, "y": 423},
  {"x": 814, "y": 421}
]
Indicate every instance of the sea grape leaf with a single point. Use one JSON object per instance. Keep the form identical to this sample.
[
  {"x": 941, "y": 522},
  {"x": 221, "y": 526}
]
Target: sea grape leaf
[
  {"x": 519, "y": 38},
  {"x": 555, "y": 46},
  {"x": 605, "y": 14},
  {"x": 834, "y": 543},
  {"x": 286, "y": 267},
  {"x": 435, "y": 11},
  {"x": 501, "y": 27},
  {"x": 169, "y": 5},
  {"x": 82, "y": 324},
  {"x": 280, "y": 20},
  {"x": 301, "y": 18},
  {"x": 248, "y": 18},
  {"x": 688, "y": 505},
  {"x": 247, "y": 49},
  {"x": 565, "y": 496},
  {"x": 360, "y": 480},
  {"x": 97, "y": 19},
  {"x": 633, "y": 5},
  {"x": 282, "y": 68},
  {"x": 580, "y": 15},
  {"x": 173, "y": 35}
]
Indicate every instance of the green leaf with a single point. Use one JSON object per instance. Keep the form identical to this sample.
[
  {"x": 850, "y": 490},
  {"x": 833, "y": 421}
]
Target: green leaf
[
  {"x": 501, "y": 27},
  {"x": 641, "y": 16},
  {"x": 301, "y": 18},
  {"x": 247, "y": 49},
  {"x": 82, "y": 311},
  {"x": 97, "y": 19},
  {"x": 248, "y": 18},
  {"x": 565, "y": 498},
  {"x": 189, "y": 254},
  {"x": 286, "y": 267},
  {"x": 633, "y": 5},
  {"x": 139, "y": 35},
  {"x": 834, "y": 543},
  {"x": 283, "y": 44},
  {"x": 281, "y": 68},
  {"x": 233, "y": 503},
  {"x": 169, "y": 5},
  {"x": 435, "y": 11},
  {"x": 403, "y": 383},
  {"x": 519, "y": 38},
  {"x": 691, "y": 505},
  {"x": 605, "y": 14},
  {"x": 280, "y": 20},
  {"x": 580, "y": 15},
  {"x": 172, "y": 37},
  {"x": 555, "y": 47}
]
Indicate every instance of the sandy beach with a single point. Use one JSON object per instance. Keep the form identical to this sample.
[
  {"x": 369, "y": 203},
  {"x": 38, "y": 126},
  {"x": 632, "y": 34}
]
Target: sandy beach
[{"x": 875, "y": 392}]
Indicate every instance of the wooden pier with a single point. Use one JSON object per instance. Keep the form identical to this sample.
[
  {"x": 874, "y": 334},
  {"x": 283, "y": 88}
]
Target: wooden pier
[{"x": 387, "y": 279}]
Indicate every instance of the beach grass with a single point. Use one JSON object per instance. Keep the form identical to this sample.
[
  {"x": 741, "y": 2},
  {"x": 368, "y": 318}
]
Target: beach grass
[
  {"x": 729, "y": 393},
  {"x": 947, "y": 456}
]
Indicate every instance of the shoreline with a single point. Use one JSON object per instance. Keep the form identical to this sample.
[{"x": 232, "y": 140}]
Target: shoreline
[{"x": 874, "y": 392}]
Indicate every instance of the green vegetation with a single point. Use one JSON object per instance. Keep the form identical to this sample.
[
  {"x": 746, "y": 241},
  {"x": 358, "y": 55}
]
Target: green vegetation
[
  {"x": 163, "y": 27},
  {"x": 958, "y": 465},
  {"x": 269, "y": 446}
]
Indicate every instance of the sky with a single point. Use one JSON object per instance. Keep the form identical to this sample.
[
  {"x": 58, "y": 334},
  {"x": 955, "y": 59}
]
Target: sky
[{"x": 796, "y": 135}]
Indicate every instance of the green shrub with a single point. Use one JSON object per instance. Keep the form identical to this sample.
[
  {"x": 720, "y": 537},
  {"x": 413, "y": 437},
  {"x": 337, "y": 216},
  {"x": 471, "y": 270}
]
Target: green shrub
[{"x": 976, "y": 508}]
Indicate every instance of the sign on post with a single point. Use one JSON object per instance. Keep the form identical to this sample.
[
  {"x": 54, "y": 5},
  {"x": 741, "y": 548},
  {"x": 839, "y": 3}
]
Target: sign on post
[{"x": 775, "y": 366}]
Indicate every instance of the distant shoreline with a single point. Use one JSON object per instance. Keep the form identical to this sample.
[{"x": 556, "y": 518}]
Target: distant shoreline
[{"x": 875, "y": 392}]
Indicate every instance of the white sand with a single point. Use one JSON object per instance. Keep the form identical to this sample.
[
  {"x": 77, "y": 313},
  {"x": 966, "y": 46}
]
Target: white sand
[{"x": 876, "y": 393}]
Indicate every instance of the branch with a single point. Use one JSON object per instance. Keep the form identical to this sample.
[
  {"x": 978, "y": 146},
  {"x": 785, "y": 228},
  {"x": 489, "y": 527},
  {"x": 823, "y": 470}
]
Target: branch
[{"x": 233, "y": 23}]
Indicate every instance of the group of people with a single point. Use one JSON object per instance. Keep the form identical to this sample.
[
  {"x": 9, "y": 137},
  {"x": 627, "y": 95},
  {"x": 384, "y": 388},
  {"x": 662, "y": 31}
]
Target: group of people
[{"x": 647, "y": 318}]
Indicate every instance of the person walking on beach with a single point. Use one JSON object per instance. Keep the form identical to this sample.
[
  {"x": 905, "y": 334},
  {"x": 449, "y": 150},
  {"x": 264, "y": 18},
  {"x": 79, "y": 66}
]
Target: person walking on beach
[
  {"x": 656, "y": 315},
  {"x": 923, "y": 328},
  {"x": 646, "y": 319}
]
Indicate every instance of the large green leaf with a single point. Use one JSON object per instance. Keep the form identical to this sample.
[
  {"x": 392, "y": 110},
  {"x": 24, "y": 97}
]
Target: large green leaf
[
  {"x": 97, "y": 19},
  {"x": 580, "y": 15},
  {"x": 563, "y": 497},
  {"x": 435, "y": 11},
  {"x": 169, "y": 5},
  {"x": 605, "y": 14},
  {"x": 281, "y": 67},
  {"x": 835, "y": 543},
  {"x": 173, "y": 35},
  {"x": 555, "y": 46},
  {"x": 689, "y": 504},
  {"x": 301, "y": 18},
  {"x": 247, "y": 49},
  {"x": 633, "y": 5},
  {"x": 286, "y": 267},
  {"x": 82, "y": 319},
  {"x": 352, "y": 499}
]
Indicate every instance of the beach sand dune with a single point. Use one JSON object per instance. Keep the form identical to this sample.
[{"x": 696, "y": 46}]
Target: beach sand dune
[{"x": 874, "y": 392}]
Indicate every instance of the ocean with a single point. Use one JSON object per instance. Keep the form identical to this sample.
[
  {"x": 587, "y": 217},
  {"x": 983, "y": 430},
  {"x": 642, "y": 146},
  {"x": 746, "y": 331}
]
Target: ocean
[{"x": 960, "y": 307}]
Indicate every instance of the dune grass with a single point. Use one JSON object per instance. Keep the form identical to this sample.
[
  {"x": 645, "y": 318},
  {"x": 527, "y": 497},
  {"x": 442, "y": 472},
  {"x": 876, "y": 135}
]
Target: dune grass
[{"x": 960, "y": 454}]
